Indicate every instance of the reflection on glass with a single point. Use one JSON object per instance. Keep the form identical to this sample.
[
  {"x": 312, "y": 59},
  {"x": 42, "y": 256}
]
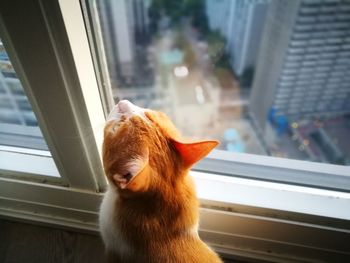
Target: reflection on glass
[
  {"x": 18, "y": 125},
  {"x": 263, "y": 77}
]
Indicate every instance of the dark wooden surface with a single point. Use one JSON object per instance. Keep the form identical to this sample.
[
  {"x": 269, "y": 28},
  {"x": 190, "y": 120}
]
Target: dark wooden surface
[
  {"x": 22, "y": 242},
  {"x": 34, "y": 244}
]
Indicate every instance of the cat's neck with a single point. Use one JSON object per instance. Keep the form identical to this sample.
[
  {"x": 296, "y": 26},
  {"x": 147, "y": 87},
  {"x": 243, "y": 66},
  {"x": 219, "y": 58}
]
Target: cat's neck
[
  {"x": 171, "y": 194},
  {"x": 176, "y": 204}
]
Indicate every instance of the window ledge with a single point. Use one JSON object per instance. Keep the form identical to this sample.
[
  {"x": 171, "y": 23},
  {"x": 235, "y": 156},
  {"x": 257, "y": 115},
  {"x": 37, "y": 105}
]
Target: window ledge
[
  {"x": 238, "y": 217},
  {"x": 273, "y": 221},
  {"x": 27, "y": 162},
  {"x": 269, "y": 195}
]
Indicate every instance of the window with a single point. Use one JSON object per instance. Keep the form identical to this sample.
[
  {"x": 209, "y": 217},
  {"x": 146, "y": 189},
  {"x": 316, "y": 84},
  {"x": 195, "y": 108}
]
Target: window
[
  {"x": 21, "y": 139},
  {"x": 181, "y": 64},
  {"x": 33, "y": 69},
  {"x": 193, "y": 57},
  {"x": 244, "y": 215}
]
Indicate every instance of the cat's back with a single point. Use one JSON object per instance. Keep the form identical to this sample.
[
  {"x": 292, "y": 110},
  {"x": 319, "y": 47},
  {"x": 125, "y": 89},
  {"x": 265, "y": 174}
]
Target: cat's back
[
  {"x": 187, "y": 247},
  {"x": 187, "y": 251},
  {"x": 150, "y": 210},
  {"x": 191, "y": 249}
]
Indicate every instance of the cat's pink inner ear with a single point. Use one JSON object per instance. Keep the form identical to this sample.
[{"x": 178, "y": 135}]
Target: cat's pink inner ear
[
  {"x": 141, "y": 181},
  {"x": 194, "y": 151},
  {"x": 132, "y": 172}
]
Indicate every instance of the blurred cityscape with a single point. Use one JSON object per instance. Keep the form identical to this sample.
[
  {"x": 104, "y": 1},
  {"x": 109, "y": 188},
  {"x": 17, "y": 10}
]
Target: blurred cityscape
[
  {"x": 269, "y": 77},
  {"x": 18, "y": 124},
  {"x": 262, "y": 76}
]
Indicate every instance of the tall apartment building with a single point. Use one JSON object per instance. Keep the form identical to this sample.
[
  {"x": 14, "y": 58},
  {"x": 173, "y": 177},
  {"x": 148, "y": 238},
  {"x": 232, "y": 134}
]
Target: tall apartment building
[
  {"x": 303, "y": 65},
  {"x": 124, "y": 26},
  {"x": 241, "y": 22},
  {"x": 244, "y": 36},
  {"x": 218, "y": 13},
  {"x": 14, "y": 106},
  {"x": 18, "y": 124},
  {"x": 141, "y": 20}
]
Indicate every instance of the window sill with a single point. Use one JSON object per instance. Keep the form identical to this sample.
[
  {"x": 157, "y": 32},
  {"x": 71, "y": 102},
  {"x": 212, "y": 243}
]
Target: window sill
[
  {"x": 268, "y": 195},
  {"x": 239, "y": 217},
  {"x": 273, "y": 221},
  {"x": 27, "y": 162}
]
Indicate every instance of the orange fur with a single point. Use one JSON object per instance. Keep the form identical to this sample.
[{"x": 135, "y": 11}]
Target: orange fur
[{"x": 156, "y": 211}]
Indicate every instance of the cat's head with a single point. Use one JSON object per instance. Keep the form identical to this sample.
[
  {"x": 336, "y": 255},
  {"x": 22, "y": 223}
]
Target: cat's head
[{"x": 143, "y": 150}]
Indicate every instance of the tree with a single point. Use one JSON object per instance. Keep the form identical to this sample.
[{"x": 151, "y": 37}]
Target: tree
[
  {"x": 196, "y": 10},
  {"x": 176, "y": 9},
  {"x": 154, "y": 14}
]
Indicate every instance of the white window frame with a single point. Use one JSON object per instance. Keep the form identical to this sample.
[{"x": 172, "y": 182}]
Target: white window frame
[
  {"x": 274, "y": 169},
  {"x": 240, "y": 217},
  {"x": 69, "y": 116}
]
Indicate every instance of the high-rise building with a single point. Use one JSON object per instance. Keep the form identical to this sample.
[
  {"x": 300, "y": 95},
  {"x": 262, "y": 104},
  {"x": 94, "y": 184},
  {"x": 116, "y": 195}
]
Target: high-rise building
[
  {"x": 18, "y": 124},
  {"x": 241, "y": 22},
  {"x": 218, "y": 13},
  {"x": 141, "y": 20},
  {"x": 14, "y": 105},
  {"x": 244, "y": 34},
  {"x": 124, "y": 25},
  {"x": 303, "y": 65}
]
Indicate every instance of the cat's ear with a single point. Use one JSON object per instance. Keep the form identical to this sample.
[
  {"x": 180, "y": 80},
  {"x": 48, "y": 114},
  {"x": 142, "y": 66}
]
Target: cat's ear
[
  {"x": 192, "y": 152},
  {"x": 136, "y": 177}
]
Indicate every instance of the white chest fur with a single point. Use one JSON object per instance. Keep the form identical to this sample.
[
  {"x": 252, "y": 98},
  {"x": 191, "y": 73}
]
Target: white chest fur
[{"x": 109, "y": 229}]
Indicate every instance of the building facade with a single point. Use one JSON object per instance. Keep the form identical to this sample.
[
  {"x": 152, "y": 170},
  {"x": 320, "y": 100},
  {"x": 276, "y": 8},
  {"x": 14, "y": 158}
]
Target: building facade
[
  {"x": 18, "y": 124},
  {"x": 244, "y": 35},
  {"x": 303, "y": 65},
  {"x": 14, "y": 105},
  {"x": 218, "y": 13},
  {"x": 124, "y": 25},
  {"x": 241, "y": 22}
]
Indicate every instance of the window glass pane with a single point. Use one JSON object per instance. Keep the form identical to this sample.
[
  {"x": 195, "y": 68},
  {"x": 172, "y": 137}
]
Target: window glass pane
[
  {"x": 263, "y": 77},
  {"x": 18, "y": 124}
]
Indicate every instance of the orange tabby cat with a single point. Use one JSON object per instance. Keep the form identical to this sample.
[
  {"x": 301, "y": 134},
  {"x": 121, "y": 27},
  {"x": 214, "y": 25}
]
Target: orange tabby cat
[{"x": 150, "y": 210}]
